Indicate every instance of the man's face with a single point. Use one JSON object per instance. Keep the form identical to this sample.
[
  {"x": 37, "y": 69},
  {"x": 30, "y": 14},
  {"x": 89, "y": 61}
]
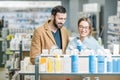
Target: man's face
[{"x": 59, "y": 20}]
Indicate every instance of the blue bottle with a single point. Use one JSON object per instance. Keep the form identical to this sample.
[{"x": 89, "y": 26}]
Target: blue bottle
[
  {"x": 92, "y": 63},
  {"x": 109, "y": 63},
  {"x": 79, "y": 45},
  {"x": 101, "y": 63},
  {"x": 118, "y": 65},
  {"x": 115, "y": 65},
  {"x": 74, "y": 63}
]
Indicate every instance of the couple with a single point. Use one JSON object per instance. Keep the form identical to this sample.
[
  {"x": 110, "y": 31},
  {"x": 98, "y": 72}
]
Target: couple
[{"x": 53, "y": 33}]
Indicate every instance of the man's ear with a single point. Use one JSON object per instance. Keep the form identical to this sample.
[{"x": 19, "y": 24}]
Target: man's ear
[{"x": 52, "y": 17}]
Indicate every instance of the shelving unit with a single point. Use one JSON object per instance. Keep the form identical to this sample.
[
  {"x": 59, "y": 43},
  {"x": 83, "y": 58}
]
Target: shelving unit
[
  {"x": 37, "y": 74},
  {"x": 113, "y": 32},
  {"x": 113, "y": 29}
]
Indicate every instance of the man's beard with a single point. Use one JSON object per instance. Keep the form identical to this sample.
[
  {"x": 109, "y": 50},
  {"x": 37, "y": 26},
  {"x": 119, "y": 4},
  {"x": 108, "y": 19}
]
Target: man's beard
[{"x": 56, "y": 24}]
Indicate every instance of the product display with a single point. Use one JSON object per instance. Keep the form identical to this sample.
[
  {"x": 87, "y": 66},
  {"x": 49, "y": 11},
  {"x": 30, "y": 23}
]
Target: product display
[
  {"x": 19, "y": 23},
  {"x": 100, "y": 66}
]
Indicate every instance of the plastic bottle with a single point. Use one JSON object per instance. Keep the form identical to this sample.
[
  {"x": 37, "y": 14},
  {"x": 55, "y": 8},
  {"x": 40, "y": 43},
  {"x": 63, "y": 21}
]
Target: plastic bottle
[
  {"x": 57, "y": 63},
  {"x": 115, "y": 65},
  {"x": 43, "y": 64},
  {"x": 92, "y": 63},
  {"x": 74, "y": 59},
  {"x": 79, "y": 45},
  {"x": 100, "y": 40},
  {"x": 118, "y": 65},
  {"x": 66, "y": 62},
  {"x": 50, "y": 64},
  {"x": 100, "y": 62},
  {"x": 109, "y": 63}
]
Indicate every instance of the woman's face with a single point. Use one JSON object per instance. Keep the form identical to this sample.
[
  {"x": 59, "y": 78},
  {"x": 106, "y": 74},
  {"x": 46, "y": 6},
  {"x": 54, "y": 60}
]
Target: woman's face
[{"x": 83, "y": 28}]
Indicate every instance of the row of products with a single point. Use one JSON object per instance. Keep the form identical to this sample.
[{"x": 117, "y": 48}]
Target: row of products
[
  {"x": 68, "y": 64},
  {"x": 13, "y": 62},
  {"x": 102, "y": 64},
  {"x": 26, "y": 19},
  {"x": 26, "y": 41}
]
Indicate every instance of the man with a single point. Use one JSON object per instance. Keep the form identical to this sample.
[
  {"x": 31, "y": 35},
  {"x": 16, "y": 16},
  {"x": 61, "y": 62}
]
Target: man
[{"x": 50, "y": 34}]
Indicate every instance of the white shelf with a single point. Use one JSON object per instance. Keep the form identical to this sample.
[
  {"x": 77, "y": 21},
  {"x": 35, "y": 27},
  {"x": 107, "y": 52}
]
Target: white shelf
[
  {"x": 113, "y": 33},
  {"x": 45, "y": 73}
]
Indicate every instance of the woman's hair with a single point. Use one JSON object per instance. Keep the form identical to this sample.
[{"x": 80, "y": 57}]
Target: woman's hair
[
  {"x": 89, "y": 22},
  {"x": 57, "y": 9}
]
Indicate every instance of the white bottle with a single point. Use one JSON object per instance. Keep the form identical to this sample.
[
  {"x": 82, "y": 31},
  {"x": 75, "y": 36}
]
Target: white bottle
[
  {"x": 66, "y": 61},
  {"x": 100, "y": 40}
]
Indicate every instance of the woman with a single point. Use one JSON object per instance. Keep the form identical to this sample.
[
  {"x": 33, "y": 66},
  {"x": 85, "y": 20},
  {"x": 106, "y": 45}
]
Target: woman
[{"x": 85, "y": 39}]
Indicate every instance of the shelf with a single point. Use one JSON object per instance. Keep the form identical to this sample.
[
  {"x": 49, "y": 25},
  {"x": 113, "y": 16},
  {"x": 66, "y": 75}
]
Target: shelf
[
  {"x": 82, "y": 74},
  {"x": 113, "y": 22},
  {"x": 114, "y": 33},
  {"x": 26, "y": 73},
  {"x": 81, "y": 56},
  {"x": 14, "y": 69}
]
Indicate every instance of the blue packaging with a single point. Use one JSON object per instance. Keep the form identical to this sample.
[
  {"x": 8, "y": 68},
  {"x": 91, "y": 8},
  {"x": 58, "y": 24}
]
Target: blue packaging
[
  {"x": 79, "y": 45},
  {"x": 115, "y": 65},
  {"x": 74, "y": 63},
  {"x": 92, "y": 64},
  {"x": 101, "y": 63},
  {"x": 109, "y": 66},
  {"x": 109, "y": 63},
  {"x": 118, "y": 61}
]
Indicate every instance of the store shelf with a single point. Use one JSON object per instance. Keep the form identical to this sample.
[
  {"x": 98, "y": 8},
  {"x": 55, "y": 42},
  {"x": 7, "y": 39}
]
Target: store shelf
[
  {"x": 82, "y": 74},
  {"x": 81, "y": 56},
  {"x": 114, "y": 33}
]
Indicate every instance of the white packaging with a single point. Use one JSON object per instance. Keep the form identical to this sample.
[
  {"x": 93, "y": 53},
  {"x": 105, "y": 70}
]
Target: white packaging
[
  {"x": 115, "y": 49},
  {"x": 12, "y": 45},
  {"x": 26, "y": 62},
  {"x": 22, "y": 65},
  {"x": 91, "y": 7},
  {"x": 83, "y": 65},
  {"x": 118, "y": 6},
  {"x": 43, "y": 64},
  {"x": 44, "y": 51},
  {"x": 66, "y": 62},
  {"x": 31, "y": 68}
]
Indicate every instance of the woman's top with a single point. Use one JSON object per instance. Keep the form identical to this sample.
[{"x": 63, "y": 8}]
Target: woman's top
[{"x": 88, "y": 43}]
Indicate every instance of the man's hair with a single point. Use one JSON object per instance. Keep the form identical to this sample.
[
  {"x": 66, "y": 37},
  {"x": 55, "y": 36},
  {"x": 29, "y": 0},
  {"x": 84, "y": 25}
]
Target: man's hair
[{"x": 57, "y": 9}]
